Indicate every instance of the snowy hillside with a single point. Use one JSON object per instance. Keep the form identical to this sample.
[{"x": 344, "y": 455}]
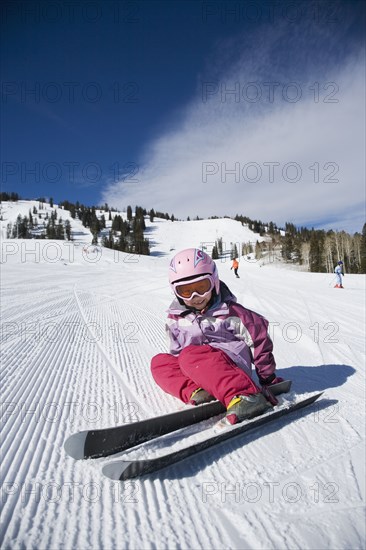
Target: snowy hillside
[
  {"x": 79, "y": 329},
  {"x": 11, "y": 210},
  {"x": 164, "y": 235}
]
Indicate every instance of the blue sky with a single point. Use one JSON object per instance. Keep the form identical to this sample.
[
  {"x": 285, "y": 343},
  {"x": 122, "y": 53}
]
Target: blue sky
[{"x": 193, "y": 108}]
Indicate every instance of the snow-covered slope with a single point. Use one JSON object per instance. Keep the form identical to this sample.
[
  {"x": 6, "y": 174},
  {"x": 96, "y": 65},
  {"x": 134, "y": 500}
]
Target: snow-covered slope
[
  {"x": 78, "y": 332},
  {"x": 166, "y": 236},
  {"x": 11, "y": 210}
]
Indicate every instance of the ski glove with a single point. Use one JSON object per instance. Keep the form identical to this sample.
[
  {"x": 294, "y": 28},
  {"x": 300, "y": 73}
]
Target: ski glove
[{"x": 272, "y": 379}]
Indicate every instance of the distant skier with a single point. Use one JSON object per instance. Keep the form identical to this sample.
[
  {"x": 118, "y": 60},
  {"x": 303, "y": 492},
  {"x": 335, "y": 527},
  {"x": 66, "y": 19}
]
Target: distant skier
[
  {"x": 213, "y": 343},
  {"x": 338, "y": 270},
  {"x": 235, "y": 267}
]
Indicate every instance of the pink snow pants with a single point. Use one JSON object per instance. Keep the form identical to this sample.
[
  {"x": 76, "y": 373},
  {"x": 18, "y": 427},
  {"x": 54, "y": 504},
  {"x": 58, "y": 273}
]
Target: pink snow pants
[{"x": 201, "y": 367}]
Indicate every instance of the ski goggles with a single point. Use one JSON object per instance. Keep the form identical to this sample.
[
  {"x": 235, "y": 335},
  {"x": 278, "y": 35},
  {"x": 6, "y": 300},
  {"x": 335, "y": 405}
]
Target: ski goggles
[{"x": 200, "y": 287}]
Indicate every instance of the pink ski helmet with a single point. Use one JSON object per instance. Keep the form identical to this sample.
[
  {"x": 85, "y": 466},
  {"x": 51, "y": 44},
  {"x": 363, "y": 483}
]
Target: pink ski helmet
[{"x": 192, "y": 263}]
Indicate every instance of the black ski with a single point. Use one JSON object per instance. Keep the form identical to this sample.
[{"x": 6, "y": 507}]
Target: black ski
[
  {"x": 108, "y": 441},
  {"x": 123, "y": 469}
]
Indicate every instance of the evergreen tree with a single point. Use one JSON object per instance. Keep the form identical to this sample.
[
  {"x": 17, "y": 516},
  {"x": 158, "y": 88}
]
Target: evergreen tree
[
  {"x": 30, "y": 220},
  {"x": 256, "y": 227},
  {"x": 316, "y": 253},
  {"x": 12, "y": 197},
  {"x": 287, "y": 247},
  {"x": 95, "y": 237},
  {"x": 68, "y": 230},
  {"x": 9, "y": 230},
  {"x": 59, "y": 231},
  {"x": 108, "y": 242},
  {"x": 215, "y": 253}
]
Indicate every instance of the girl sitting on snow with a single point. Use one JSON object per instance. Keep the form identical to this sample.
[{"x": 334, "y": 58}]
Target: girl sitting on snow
[{"x": 213, "y": 343}]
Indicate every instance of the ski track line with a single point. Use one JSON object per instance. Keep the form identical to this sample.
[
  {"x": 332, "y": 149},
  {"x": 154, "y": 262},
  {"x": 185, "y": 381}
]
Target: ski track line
[
  {"x": 19, "y": 348},
  {"x": 292, "y": 517},
  {"x": 155, "y": 512},
  {"x": 134, "y": 350},
  {"x": 118, "y": 353},
  {"x": 300, "y": 525},
  {"x": 121, "y": 354},
  {"x": 127, "y": 388},
  {"x": 354, "y": 477},
  {"x": 210, "y": 535},
  {"x": 46, "y": 432},
  {"x": 122, "y": 300},
  {"x": 26, "y": 469},
  {"x": 235, "y": 526},
  {"x": 31, "y": 370},
  {"x": 302, "y": 474},
  {"x": 178, "y": 509},
  {"x": 52, "y": 386},
  {"x": 323, "y": 462},
  {"x": 28, "y": 349},
  {"x": 33, "y": 326},
  {"x": 48, "y": 510},
  {"x": 41, "y": 309},
  {"x": 162, "y": 502},
  {"x": 138, "y": 363}
]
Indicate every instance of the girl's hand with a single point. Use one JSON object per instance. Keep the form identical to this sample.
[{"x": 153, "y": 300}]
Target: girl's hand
[{"x": 272, "y": 379}]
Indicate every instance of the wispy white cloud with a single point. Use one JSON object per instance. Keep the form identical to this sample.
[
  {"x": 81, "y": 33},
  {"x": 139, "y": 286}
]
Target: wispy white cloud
[{"x": 272, "y": 158}]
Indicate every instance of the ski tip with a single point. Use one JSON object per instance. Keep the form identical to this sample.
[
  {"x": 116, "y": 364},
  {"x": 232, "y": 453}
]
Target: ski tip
[
  {"x": 317, "y": 395},
  {"x": 115, "y": 470},
  {"x": 75, "y": 444},
  {"x": 309, "y": 400}
]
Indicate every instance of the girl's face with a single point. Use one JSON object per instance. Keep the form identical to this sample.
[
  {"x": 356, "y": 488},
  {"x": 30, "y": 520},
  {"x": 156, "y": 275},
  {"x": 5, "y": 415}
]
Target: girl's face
[{"x": 199, "y": 302}]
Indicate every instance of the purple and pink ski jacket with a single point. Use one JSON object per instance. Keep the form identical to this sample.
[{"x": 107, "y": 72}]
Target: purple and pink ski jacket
[{"x": 241, "y": 333}]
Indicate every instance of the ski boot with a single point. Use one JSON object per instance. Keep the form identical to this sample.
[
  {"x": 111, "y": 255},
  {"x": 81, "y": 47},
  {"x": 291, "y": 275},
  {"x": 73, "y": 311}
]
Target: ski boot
[
  {"x": 200, "y": 396},
  {"x": 243, "y": 407}
]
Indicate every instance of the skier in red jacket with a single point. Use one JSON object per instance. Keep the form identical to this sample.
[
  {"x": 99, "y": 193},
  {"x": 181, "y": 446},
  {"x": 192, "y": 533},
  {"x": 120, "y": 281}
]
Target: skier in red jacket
[{"x": 235, "y": 267}]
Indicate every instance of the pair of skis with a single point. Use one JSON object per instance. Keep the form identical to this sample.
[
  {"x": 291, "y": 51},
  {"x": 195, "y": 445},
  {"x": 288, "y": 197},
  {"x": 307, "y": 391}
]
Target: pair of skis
[{"x": 106, "y": 442}]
